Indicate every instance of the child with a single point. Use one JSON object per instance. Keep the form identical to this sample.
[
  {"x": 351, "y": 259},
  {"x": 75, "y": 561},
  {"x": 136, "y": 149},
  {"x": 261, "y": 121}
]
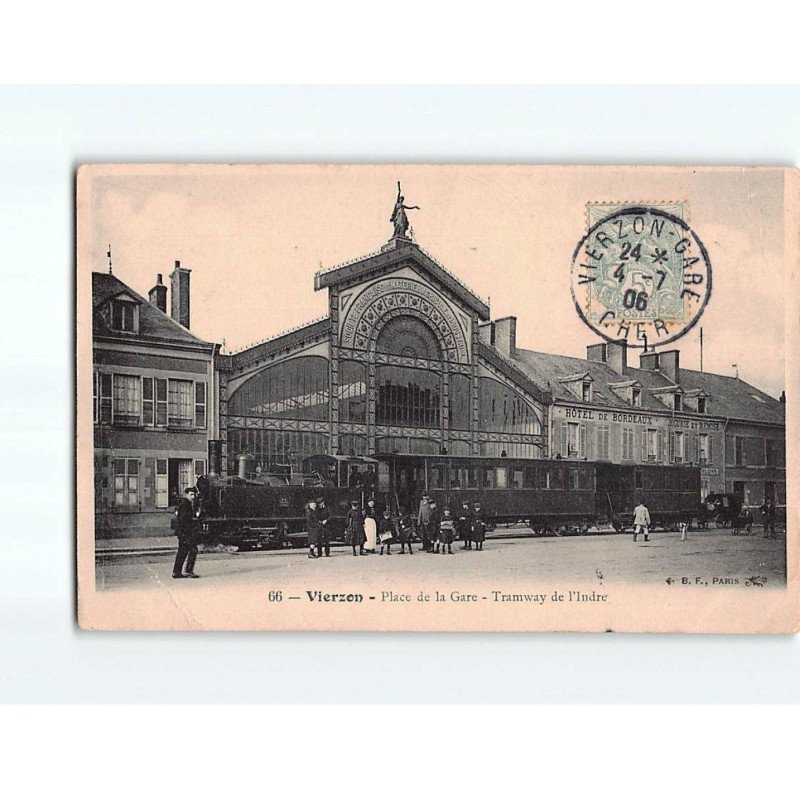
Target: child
[
  {"x": 478, "y": 527},
  {"x": 406, "y": 530},
  {"x": 386, "y": 532},
  {"x": 445, "y": 533}
]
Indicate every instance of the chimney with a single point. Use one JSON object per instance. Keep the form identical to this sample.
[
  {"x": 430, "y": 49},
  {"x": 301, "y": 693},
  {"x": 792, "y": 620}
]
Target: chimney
[
  {"x": 486, "y": 332},
  {"x": 505, "y": 336},
  {"x": 615, "y": 354},
  {"x": 158, "y": 294},
  {"x": 180, "y": 294},
  {"x": 783, "y": 397},
  {"x": 649, "y": 361},
  {"x": 669, "y": 364}
]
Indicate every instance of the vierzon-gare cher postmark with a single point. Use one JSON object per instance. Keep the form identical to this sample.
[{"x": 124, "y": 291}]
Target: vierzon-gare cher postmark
[{"x": 642, "y": 275}]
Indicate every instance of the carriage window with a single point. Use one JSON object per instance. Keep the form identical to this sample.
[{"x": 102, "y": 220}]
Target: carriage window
[
  {"x": 516, "y": 479},
  {"x": 488, "y": 478},
  {"x": 584, "y": 480},
  {"x": 501, "y": 477},
  {"x": 529, "y": 478},
  {"x": 637, "y": 478},
  {"x": 555, "y": 478},
  {"x": 466, "y": 478},
  {"x": 573, "y": 480},
  {"x": 436, "y": 476}
]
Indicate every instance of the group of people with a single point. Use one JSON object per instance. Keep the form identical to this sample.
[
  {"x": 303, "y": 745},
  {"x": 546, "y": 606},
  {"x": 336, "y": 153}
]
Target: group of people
[{"x": 369, "y": 530}]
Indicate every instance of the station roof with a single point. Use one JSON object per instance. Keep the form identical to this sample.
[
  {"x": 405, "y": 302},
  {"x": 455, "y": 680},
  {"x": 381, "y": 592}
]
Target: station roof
[{"x": 394, "y": 255}]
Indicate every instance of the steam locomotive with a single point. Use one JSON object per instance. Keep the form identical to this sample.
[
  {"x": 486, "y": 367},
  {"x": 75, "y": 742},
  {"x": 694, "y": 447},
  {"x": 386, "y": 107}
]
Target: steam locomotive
[{"x": 550, "y": 495}]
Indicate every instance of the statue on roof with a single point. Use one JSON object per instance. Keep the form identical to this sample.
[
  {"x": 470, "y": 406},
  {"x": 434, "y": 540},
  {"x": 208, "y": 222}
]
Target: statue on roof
[{"x": 399, "y": 217}]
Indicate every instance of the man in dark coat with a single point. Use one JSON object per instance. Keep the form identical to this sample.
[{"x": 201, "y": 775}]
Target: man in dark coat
[
  {"x": 324, "y": 535},
  {"x": 405, "y": 531},
  {"x": 478, "y": 527},
  {"x": 354, "y": 525},
  {"x": 424, "y": 522},
  {"x": 312, "y": 526},
  {"x": 464, "y": 525},
  {"x": 768, "y": 518},
  {"x": 185, "y": 531},
  {"x": 433, "y": 524}
]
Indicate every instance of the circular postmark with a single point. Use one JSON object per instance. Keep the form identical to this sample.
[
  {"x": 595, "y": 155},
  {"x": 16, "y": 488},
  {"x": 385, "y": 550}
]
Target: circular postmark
[{"x": 642, "y": 275}]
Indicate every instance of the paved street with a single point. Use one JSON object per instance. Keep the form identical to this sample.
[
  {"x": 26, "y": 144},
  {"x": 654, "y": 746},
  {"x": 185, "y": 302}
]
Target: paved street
[{"x": 706, "y": 555}]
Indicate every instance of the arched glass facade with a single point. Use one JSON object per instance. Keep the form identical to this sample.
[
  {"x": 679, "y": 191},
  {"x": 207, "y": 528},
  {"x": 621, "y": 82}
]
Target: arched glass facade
[
  {"x": 502, "y": 410},
  {"x": 352, "y": 391},
  {"x": 408, "y": 396},
  {"x": 271, "y": 449},
  {"x": 293, "y": 389}
]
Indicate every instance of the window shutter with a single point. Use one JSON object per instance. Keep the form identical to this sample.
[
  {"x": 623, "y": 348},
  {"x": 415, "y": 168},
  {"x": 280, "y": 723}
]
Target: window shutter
[
  {"x": 662, "y": 447},
  {"x": 582, "y": 441},
  {"x": 708, "y": 455},
  {"x": 671, "y": 446},
  {"x": 564, "y": 440},
  {"x": 642, "y": 443},
  {"x": 695, "y": 448}
]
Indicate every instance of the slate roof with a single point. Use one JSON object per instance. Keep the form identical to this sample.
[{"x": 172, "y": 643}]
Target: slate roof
[
  {"x": 727, "y": 396},
  {"x": 153, "y": 323}
]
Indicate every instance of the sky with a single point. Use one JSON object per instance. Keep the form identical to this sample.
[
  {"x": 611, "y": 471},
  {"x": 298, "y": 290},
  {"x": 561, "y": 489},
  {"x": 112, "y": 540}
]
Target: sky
[{"x": 254, "y": 236}]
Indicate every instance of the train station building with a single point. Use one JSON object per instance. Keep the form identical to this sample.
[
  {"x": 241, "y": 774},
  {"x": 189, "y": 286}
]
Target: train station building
[{"x": 408, "y": 360}]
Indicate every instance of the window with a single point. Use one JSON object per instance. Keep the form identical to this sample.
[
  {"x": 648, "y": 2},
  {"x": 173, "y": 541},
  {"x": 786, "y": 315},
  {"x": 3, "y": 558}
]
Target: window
[
  {"x": 488, "y": 478},
  {"x": 637, "y": 479},
  {"x": 678, "y": 446},
  {"x": 775, "y": 453},
  {"x": 126, "y": 481},
  {"x": 199, "y": 468},
  {"x": 603, "y": 441},
  {"x": 701, "y": 405},
  {"x": 529, "y": 480},
  {"x": 180, "y": 404},
  {"x": 501, "y": 477},
  {"x": 162, "y": 483},
  {"x": 627, "y": 444},
  {"x": 652, "y": 444},
  {"x": 148, "y": 406},
  {"x": 352, "y": 391},
  {"x": 769, "y": 492},
  {"x": 127, "y": 409},
  {"x": 738, "y": 450},
  {"x": 704, "y": 448},
  {"x": 678, "y": 402},
  {"x": 636, "y": 398},
  {"x": 516, "y": 478},
  {"x": 161, "y": 401},
  {"x": 104, "y": 397},
  {"x": 586, "y": 392},
  {"x": 200, "y": 404},
  {"x": 123, "y": 316}
]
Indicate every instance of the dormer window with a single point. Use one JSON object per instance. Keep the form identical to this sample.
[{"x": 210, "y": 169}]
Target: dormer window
[
  {"x": 701, "y": 405},
  {"x": 636, "y": 398},
  {"x": 124, "y": 316},
  {"x": 586, "y": 392},
  {"x": 678, "y": 406}
]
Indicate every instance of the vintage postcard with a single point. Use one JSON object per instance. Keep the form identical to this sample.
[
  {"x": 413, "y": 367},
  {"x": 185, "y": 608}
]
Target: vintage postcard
[{"x": 437, "y": 398}]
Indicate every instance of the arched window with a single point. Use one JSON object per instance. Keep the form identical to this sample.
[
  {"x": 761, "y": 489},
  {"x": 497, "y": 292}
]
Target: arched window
[
  {"x": 503, "y": 410},
  {"x": 293, "y": 389},
  {"x": 410, "y": 337},
  {"x": 408, "y": 396}
]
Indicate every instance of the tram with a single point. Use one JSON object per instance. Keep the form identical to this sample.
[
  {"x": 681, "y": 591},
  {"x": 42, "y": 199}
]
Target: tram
[{"x": 549, "y": 495}]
